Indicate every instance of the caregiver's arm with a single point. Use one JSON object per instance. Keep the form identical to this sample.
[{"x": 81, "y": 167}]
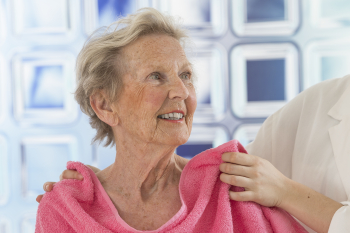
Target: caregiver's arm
[
  {"x": 295, "y": 142},
  {"x": 265, "y": 185}
]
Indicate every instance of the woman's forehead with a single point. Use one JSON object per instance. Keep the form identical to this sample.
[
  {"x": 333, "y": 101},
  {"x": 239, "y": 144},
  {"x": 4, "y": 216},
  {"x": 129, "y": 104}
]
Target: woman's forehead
[{"x": 156, "y": 49}]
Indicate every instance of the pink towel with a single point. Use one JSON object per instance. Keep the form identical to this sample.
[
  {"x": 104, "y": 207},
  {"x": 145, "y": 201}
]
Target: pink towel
[{"x": 84, "y": 206}]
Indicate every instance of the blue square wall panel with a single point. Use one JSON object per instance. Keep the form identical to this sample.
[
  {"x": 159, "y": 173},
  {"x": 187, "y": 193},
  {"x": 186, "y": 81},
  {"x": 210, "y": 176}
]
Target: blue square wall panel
[
  {"x": 43, "y": 159},
  {"x": 265, "y": 80},
  {"x": 326, "y": 60},
  {"x": 265, "y": 10},
  {"x": 188, "y": 151},
  {"x": 264, "y": 77},
  {"x": 41, "y": 16},
  {"x": 102, "y": 13},
  {"x": 265, "y": 17},
  {"x": 201, "y": 17},
  {"x": 44, "y": 83},
  {"x": 110, "y": 10},
  {"x": 44, "y": 87}
]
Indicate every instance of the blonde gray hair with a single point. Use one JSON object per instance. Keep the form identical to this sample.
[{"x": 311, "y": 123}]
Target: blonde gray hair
[{"x": 100, "y": 63}]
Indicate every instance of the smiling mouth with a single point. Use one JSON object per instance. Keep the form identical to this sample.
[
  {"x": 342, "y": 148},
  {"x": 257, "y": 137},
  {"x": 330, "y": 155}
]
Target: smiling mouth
[{"x": 172, "y": 116}]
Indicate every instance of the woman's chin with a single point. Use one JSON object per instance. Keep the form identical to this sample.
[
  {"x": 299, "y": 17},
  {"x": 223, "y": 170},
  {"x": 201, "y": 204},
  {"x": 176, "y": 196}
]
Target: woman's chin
[{"x": 174, "y": 140}]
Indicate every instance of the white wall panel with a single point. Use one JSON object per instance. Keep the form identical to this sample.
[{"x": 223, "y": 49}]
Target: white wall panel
[{"x": 326, "y": 59}]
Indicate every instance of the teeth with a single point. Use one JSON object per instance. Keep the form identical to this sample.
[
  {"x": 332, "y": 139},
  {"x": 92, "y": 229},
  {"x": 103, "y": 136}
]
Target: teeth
[{"x": 172, "y": 116}]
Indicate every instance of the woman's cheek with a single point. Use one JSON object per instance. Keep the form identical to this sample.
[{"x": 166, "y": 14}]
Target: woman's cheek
[
  {"x": 192, "y": 102},
  {"x": 155, "y": 98}
]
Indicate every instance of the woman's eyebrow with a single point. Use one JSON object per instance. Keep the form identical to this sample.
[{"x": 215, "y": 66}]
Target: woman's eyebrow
[{"x": 187, "y": 64}]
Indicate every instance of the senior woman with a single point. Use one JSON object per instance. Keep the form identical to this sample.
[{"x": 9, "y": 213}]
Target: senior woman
[{"x": 136, "y": 85}]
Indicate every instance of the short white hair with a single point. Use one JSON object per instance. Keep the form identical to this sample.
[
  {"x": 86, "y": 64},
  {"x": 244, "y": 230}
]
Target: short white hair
[{"x": 100, "y": 63}]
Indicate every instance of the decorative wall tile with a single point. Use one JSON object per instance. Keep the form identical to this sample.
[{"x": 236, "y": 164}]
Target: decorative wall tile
[
  {"x": 202, "y": 138},
  {"x": 325, "y": 60},
  {"x": 263, "y": 78},
  {"x": 330, "y": 13},
  {"x": 4, "y": 175},
  {"x": 265, "y": 18},
  {"x": 210, "y": 85},
  {"x": 100, "y": 13},
  {"x": 44, "y": 83},
  {"x": 201, "y": 17},
  {"x": 44, "y": 159},
  {"x": 246, "y": 133},
  {"x": 30, "y": 18}
]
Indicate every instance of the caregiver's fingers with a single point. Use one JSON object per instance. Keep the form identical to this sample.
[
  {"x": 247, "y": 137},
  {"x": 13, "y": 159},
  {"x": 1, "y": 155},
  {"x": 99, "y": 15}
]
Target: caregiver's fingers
[
  {"x": 38, "y": 198},
  {"x": 234, "y": 169},
  {"x": 48, "y": 186},
  {"x": 241, "y": 196},
  {"x": 71, "y": 174},
  {"x": 239, "y": 158},
  {"x": 239, "y": 181}
]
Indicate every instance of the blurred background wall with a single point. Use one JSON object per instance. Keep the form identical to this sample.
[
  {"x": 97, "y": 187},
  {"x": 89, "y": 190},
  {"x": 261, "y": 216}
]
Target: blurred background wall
[{"x": 251, "y": 56}]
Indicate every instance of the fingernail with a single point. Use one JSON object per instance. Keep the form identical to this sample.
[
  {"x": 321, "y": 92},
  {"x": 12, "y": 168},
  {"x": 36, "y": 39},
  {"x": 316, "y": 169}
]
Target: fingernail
[
  {"x": 47, "y": 187},
  {"x": 80, "y": 176}
]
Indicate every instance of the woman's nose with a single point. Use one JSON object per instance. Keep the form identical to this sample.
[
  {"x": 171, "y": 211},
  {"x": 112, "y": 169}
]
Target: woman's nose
[{"x": 178, "y": 90}]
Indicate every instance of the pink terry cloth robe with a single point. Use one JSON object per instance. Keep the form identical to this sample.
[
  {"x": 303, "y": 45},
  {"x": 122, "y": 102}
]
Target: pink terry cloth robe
[{"x": 84, "y": 206}]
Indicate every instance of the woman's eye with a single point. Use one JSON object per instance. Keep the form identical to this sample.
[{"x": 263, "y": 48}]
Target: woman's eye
[
  {"x": 155, "y": 76},
  {"x": 185, "y": 76}
]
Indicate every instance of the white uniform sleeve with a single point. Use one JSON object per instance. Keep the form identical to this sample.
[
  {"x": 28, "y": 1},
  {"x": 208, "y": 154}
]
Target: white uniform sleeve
[
  {"x": 276, "y": 138},
  {"x": 341, "y": 219},
  {"x": 276, "y": 141}
]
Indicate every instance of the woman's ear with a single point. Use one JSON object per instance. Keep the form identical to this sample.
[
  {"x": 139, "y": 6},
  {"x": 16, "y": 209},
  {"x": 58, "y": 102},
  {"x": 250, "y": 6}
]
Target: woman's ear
[{"x": 103, "y": 109}]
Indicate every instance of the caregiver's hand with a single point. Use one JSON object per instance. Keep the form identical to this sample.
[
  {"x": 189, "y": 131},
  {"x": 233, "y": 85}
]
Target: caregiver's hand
[
  {"x": 66, "y": 174},
  {"x": 263, "y": 183}
]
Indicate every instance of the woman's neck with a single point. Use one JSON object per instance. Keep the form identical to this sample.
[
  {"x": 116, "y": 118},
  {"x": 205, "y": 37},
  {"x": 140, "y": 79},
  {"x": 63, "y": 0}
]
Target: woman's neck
[
  {"x": 142, "y": 169},
  {"x": 143, "y": 183}
]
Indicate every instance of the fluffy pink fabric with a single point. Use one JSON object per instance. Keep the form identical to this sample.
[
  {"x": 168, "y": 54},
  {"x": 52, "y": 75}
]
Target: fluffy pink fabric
[{"x": 84, "y": 206}]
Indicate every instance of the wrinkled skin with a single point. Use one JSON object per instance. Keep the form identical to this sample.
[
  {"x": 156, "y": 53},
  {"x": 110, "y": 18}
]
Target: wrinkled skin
[{"x": 159, "y": 82}]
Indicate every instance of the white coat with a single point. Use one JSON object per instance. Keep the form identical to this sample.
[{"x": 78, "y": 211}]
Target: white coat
[{"x": 308, "y": 140}]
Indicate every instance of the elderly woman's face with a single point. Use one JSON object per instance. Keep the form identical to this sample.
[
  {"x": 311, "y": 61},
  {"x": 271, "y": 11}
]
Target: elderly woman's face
[{"x": 158, "y": 99}]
